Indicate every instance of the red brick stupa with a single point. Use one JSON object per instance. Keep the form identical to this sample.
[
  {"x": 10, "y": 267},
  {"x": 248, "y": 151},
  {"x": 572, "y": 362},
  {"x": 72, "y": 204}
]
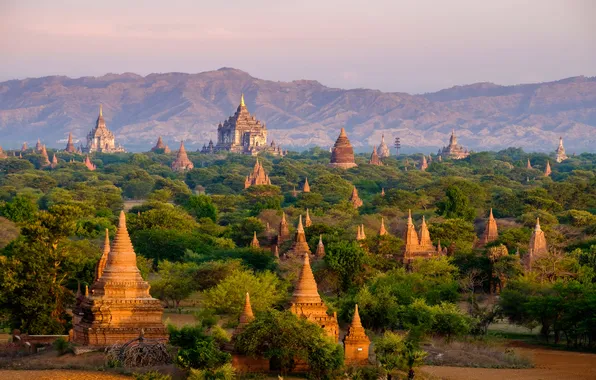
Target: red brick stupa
[
  {"x": 342, "y": 154},
  {"x": 356, "y": 343},
  {"x": 182, "y": 163}
]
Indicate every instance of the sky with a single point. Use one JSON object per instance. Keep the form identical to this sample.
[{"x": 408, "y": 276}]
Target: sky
[{"x": 413, "y": 46}]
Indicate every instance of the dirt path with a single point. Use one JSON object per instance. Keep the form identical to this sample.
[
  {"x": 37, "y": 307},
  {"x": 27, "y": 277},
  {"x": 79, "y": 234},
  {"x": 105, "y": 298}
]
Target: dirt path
[
  {"x": 58, "y": 374},
  {"x": 549, "y": 365}
]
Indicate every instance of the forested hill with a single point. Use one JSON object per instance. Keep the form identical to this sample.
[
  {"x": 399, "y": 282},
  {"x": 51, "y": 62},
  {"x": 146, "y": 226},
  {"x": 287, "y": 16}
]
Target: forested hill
[{"x": 299, "y": 113}]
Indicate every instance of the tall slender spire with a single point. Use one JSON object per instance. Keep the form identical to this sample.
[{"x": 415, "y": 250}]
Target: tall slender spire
[
  {"x": 320, "y": 248},
  {"x": 411, "y": 242},
  {"x": 255, "y": 242},
  {"x": 382, "y": 230},
  {"x": 242, "y": 104},
  {"x": 425, "y": 242},
  {"x": 355, "y": 199},
  {"x": 307, "y": 221},
  {"x": 284, "y": 230},
  {"x": 424, "y": 163},
  {"x": 490, "y": 232},
  {"x": 362, "y": 232},
  {"x": 247, "y": 315},
  {"x": 528, "y": 164},
  {"x": 547, "y": 170},
  {"x": 537, "y": 246},
  {"x": 100, "y": 110}
]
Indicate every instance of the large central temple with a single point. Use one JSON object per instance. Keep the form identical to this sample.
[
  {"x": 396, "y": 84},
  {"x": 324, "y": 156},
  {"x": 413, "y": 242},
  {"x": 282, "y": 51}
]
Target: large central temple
[
  {"x": 243, "y": 133},
  {"x": 101, "y": 139}
]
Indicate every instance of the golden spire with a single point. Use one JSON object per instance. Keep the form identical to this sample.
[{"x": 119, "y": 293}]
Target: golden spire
[
  {"x": 100, "y": 110},
  {"x": 247, "y": 315},
  {"x": 306, "y": 289},
  {"x": 382, "y": 230},
  {"x": 362, "y": 229},
  {"x": 242, "y": 100},
  {"x": 255, "y": 242},
  {"x": 356, "y": 322},
  {"x": 307, "y": 220}
]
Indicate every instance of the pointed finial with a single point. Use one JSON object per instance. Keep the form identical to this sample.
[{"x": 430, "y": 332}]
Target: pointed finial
[
  {"x": 537, "y": 224},
  {"x": 490, "y": 216},
  {"x": 242, "y": 100},
  {"x": 320, "y": 239},
  {"x": 86, "y": 291},
  {"x": 100, "y": 109},
  {"x": 122, "y": 220},
  {"x": 300, "y": 227},
  {"x": 356, "y": 322},
  {"x": 409, "y": 216}
]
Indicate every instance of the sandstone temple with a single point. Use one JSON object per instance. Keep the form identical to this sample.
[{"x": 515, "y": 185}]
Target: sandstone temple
[
  {"x": 342, "y": 153},
  {"x": 119, "y": 306},
  {"x": 257, "y": 177},
  {"x": 415, "y": 246},
  {"x": 101, "y": 139},
  {"x": 307, "y": 303},
  {"x": 383, "y": 149},
  {"x": 160, "y": 147},
  {"x": 243, "y": 133},
  {"x": 537, "y": 246},
  {"x": 490, "y": 232},
  {"x": 453, "y": 151},
  {"x": 561, "y": 156},
  {"x": 70, "y": 148}
]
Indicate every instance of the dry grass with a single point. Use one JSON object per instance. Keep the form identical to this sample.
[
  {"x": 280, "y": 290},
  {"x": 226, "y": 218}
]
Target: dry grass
[{"x": 474, "y": 354}]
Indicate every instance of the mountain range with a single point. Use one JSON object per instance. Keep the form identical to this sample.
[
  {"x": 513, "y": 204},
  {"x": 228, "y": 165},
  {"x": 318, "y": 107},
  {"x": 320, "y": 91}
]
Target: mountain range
[{"x": 298, "y": 114}]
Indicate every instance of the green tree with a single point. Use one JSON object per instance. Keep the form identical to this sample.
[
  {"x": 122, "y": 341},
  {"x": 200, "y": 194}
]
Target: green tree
[
  {"x": 227, "y": 297},
  {"x": 395, "y": 352},
  {"x": 175, "y": 282},
  {"x": 35, "y": 268},
  {"x": 284, "y": 338},
  {"x": 201, "y": 206},
  {"x": 19, "y": 209},
  {"x": 196, "y": 349},
  {"x": 347, "y": 259},
  {"x": 456, "y": 204}
]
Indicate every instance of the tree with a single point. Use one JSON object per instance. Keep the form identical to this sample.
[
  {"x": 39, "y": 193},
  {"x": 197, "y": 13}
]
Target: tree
[
  {"x": 175, "y": 281},
  {"x": 19, "y": 209},
  {"x": 35, "y": 268},
  {"x": 347, "y": 259},
  {"x": 201, "y": 206},
  {"x": 284, "y": 338},
  {"x": 227, "y": 297},
  {"x": 196, "y": 349},
  {"x": 394, "y": 352},
  {"x": 455, "y": 204}
]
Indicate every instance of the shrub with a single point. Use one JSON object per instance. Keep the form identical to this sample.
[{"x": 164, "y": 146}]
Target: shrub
[{"x": 63, "y": 346}]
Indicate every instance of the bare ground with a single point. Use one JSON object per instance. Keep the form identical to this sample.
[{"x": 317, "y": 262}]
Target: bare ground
[{"x": 549, "y": 365}]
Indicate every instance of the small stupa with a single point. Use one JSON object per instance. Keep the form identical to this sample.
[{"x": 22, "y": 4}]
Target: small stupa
[
  {"x": 320, "y": 248},
  {"x": 255, "y": 242},
  {"x": 54, "y": 163},
  {"x": 38, "y": 146},
  {"x": 528, "y": 164},
  {"x": 537, "y": 246},
  {"x": 246, "y": 316},
  {"x": 300, "y": 247},
  {"x": 424, "y": 163},
  {"x": 119, "y": 307},
  {"x": 561, "y": 156},
  {"x": 382, "y": 230},
  {"x": 490, "y": 232},
  {"x": 547, "y": 170},
  {"x": 257, "y": 177},
  {"x": 182, "y": 163},
  {"x": 44, "y": 156},
  {"x": 374, "y": 158},
  {"x": 342, "y": 154},
  {"x": 90, "y": 165},
  {"x": 24, "y": 148},
  {"x": 383, "y": 150},
  {"x": 284, "y": 230},
  {"x": 307, "y": 220},
  {"x": 307, "y": 303},
  {"x": 160, "y": 146},
  {"x": 355, "y": 199},
  {"x": 356, "y": 343},
  {"x": 70, "y": 148},
  {"x": 306, "y": 186}
]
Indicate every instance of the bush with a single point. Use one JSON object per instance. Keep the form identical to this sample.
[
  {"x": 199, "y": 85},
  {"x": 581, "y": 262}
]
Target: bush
[
  {"x": 63, "y": 346},
  {"x": 151, "y": 375}
]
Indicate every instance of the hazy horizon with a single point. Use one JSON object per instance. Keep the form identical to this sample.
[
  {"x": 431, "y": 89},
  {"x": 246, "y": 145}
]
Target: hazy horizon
[{"x": 392, "y": 46}]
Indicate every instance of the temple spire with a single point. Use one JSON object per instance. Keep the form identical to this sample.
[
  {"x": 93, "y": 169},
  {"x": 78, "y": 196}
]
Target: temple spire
[
  {"x": 320, "y": 248},
  {"x": 306, "y": 187},
  {"x": 242, "y": 104},
  {"x": 382, "y": 230},
  {"x": 247, "y": 315},
  {"x": 306, "y": 289},
  {"x": 100, "y": 110},
  {"x": 547, "y": 170},
  {"x": 255, "y": 242},
  {"x": 307, "y": 220}
]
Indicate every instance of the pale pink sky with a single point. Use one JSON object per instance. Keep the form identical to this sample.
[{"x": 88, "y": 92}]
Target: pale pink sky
[{"x": 392, "y": 45}]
